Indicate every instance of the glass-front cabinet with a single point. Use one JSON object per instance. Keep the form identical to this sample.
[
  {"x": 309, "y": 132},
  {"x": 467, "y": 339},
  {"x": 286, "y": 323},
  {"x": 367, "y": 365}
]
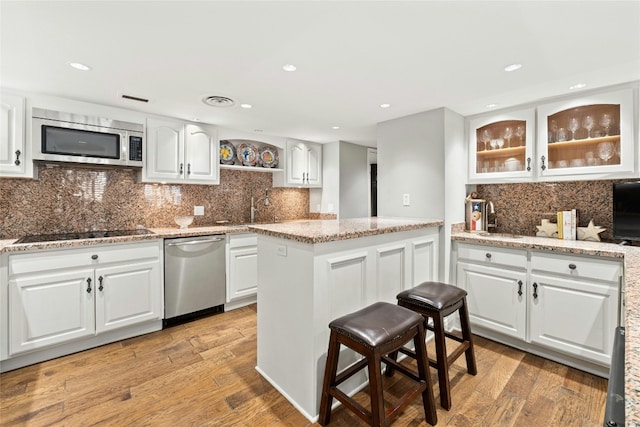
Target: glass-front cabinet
[
  {"x": 501, "y": 147},
  {"x": 591, "y": 135}
]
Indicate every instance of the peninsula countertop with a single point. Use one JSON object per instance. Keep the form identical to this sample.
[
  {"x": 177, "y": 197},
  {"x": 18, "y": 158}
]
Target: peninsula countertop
[
  {"x": 323, "y": 231},
  {"x": 631, "y": 256}
]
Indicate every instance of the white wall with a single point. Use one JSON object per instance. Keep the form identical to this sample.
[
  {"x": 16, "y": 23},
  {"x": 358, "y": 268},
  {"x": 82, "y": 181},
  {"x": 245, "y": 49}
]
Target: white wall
[
  {"x": 354, "y": 181},
  {"x": 321, "y": 199},
  {"x": 411, "y": 161}
]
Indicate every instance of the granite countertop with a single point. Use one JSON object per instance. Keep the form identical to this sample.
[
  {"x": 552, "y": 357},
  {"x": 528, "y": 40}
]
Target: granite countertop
[
  {"x": 158, "y": 233},
  {"x": 323, "y": 231},
  {"x": 631, "y": 255}
]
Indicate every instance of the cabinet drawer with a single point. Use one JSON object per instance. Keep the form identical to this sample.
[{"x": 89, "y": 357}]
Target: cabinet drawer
[
  {"x": 243, "y": 240},
  {"x": 71, "y": 258},
  {"x": 493, "y": 255},
  {"x": 608, "y": 270}
]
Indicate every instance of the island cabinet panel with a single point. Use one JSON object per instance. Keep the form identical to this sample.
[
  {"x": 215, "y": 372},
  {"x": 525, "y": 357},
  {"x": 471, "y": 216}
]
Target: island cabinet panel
[{"x": 304, "y": 286}]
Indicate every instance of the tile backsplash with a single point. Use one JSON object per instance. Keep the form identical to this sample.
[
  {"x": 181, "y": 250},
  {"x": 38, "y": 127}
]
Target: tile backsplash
[
  {"x": 71, "y": 198},
  {"x": 520, "y": 207}
]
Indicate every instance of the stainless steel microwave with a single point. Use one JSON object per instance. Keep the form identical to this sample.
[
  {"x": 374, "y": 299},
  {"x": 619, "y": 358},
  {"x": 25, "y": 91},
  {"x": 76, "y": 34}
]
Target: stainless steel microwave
[{"x": 75, "y": 138}]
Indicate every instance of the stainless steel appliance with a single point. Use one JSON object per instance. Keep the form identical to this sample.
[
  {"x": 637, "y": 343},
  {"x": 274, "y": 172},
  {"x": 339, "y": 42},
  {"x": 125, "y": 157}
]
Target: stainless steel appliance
[
  {"x": 194, "y": 276},
  {"x": 614, "y": 410},
  {"x": 76, "y": 138}
]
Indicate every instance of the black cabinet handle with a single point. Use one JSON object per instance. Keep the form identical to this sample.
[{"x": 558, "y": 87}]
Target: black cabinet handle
[
  {"x": 17, "y": 162},
  {"x": 528, "y": 164},
  {"x": 181, "y": 168},
  {"x": 94, "y": 256},
  {"x": 520, "y": 288},
  {"x": 572, "y": 266},
  {"x": 488, "y": 255},
  {"x": 188, "y": 168},
  {"x": 100, "y": 288},
  {"x": 535, "y": 290},
  {"x": 542, "y": 159},
  {"x": 88, "y": 285}
]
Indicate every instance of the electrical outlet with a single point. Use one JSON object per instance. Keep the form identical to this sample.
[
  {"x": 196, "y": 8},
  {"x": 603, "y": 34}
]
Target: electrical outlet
[
  {"x": 281, "y": 250},
  {"x": 198, "y": 210},
  {"x": 406, "y": 200}
]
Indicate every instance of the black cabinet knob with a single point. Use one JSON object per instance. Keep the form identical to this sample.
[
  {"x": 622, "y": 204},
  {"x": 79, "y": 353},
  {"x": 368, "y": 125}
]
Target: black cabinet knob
[{"x": 94, "y": 256}]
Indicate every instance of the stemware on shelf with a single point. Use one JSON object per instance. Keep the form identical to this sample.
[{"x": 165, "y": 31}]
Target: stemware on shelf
[
  {"x": 508, "y": 133},
  {"x": 587, "y": 123},
  {"x": 573, "y": 127},
  {"x": 520, "y": 134},
  {"x": 500, "y": 142},
  {"x": 553, "y": 131},
  {"x": 485, "y": 138},
  {"x": 605, "y": 122},
  {"x": 605, "y": 151},
  {"x": 494, "y": 144}
]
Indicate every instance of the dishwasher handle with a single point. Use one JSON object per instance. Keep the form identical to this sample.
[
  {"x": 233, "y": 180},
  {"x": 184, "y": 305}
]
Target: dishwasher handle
[{"x": 196, "y": 242}]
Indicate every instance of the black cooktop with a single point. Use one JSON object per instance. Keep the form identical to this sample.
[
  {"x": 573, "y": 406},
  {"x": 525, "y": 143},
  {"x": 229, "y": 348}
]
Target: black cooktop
[{"x": 85, "y": 235}]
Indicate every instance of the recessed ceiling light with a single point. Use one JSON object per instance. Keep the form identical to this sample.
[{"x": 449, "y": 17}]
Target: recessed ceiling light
[
  {"x": 79, "y": 66},
  {"x": 289, "y": 67},
  {"x": 491, "y": 105},
  {"x": 577, "y": 86},
  {"x": 385, "y": 105},
  {"x": 246, "y": 105},
  {"x": 512, "y": 67},
  {"x": 335, "y": 127}
]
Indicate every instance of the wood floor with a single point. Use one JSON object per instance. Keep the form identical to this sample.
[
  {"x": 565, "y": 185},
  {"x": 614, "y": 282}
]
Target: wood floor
[{"x": 203, "y": 374}]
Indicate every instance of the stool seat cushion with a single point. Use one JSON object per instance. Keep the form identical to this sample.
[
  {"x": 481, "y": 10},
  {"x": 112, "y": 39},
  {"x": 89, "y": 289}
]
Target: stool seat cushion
[
  {"x": 377, "y": 324},
  {"x": 433, "y": 295}
]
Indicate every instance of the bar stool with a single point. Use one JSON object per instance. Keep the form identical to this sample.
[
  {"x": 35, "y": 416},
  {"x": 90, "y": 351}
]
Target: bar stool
[
  {"x": 374, "y": 332},
  {"x": 436, "y": 301}
]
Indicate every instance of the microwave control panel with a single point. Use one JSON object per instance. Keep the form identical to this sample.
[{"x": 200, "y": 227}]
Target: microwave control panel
[{"x": 135, "y": 148}]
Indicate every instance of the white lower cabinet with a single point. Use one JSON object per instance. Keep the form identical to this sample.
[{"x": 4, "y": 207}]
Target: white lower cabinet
[
  {"x": 242, "y": 267},
  {"x": 568, "y": 304},
  {"x": 63, "y": 295}
]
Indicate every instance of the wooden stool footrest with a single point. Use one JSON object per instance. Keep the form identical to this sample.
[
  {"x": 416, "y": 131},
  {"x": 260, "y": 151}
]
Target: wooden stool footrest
[{"x": 344, "y": 375}]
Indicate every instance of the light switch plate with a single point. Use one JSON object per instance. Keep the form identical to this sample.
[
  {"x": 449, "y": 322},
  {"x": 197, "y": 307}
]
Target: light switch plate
[
  {"x": 281, "y": 250},
  {"x": 198, "y": 210},
  {"x": 406, "y": 200}
]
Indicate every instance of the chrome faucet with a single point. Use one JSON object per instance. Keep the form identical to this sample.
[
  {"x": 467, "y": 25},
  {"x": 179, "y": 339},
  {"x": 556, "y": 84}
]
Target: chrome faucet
[
  {"x": 491, "y": 210},
  {"x": 254, "y": 208}
]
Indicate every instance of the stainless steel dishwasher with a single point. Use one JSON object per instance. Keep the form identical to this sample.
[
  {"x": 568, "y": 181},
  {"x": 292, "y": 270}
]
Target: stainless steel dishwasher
[{"x": 194, "y": 277}]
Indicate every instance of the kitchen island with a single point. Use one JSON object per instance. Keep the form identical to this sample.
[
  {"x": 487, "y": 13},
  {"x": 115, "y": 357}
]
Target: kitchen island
[{"x": 311, "y": 272}]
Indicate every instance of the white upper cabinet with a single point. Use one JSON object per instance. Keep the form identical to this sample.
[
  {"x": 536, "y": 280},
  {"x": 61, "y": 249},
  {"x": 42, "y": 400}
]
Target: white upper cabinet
[
  {"x": 591, "y": 136},
  {"x": 501, "y": 147},
  {"x": 14, "y": 160},
  {"x": 181, "y": 153},
  {"x": 303, "y": 165},
  {"x": 580, "y": 138}
]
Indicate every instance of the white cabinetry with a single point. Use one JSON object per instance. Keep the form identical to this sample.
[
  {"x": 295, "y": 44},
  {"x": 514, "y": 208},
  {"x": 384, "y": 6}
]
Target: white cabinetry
[
  {"x": 494, "y": 279},
  {"x": 567, "y": 304},
  {"x": 178, "y": 152},
  {"x": 14, "y": 159},
  {"x": 303, "y": 165},
  {"x": 242, "y": 268},
  {"x": 63, "y": 295}
]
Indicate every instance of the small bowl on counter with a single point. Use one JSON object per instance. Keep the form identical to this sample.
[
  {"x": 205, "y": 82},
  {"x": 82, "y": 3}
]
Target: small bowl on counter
[{"x": 183, "y": 221}]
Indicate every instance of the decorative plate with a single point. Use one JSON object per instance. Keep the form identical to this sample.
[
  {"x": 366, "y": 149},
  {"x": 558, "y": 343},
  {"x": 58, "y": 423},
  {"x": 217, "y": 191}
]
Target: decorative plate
[
  {"x": 248, "y": 154},
  {"x": 268, "y": 156},
  {"x": 227, "y": 153}
]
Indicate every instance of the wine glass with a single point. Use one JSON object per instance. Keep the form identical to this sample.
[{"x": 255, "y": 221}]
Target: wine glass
[
  {"x": 520, "y": 134},
  {"x": 587, "y": 123},
  {"x": 494, "y": 144},
  {"x": 500, "y": 142},
  {"x": 508, "y": 133},
  {"x": 573, "y": 127},
  {"x": 605, "y": 122},
  {"x": 485, "y": 138},
  {"x": 605, "y": 151},
  {"x": 553, "y": 134}
]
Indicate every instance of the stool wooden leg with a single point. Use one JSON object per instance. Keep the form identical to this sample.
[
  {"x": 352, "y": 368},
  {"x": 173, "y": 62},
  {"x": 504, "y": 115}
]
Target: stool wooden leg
[
  {"x": 378, "y": 417},
  {"x": 422, "y": 360},
  {"x": 469, "y": 354},
  {"x": 442, "y": 361},
  {"x": 330, "y": 370}
]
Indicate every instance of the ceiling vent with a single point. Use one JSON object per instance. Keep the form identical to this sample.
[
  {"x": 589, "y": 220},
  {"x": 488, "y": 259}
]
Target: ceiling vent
[
  {"x": 135, "y": 98},
  {"x": 219, "y": 101}
]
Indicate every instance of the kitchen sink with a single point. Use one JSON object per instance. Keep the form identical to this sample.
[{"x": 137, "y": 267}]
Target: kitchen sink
[{"x": 487, "y": 234}]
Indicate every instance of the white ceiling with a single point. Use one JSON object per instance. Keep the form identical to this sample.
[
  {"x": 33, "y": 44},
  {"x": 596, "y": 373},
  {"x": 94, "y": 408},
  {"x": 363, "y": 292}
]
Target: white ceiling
[{"x": 351, "y": 57}]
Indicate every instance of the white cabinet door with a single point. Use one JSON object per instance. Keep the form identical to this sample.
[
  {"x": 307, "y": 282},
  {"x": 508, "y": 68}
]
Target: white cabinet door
[
  {"x": 164, "y": 150},
  {"x": 127, "y": 294},
  {"x": 496, "y": 297},
  {"x": 573, "y": 316},
  {"x": 314, "y": 165},
  {"x": 296, "y": 163},
  {"x": 243, "y": 272},
  {"x": 50, "y": 308},
  {"x": 201, "y": 154},
  {"x": 12, "y": 142}
]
